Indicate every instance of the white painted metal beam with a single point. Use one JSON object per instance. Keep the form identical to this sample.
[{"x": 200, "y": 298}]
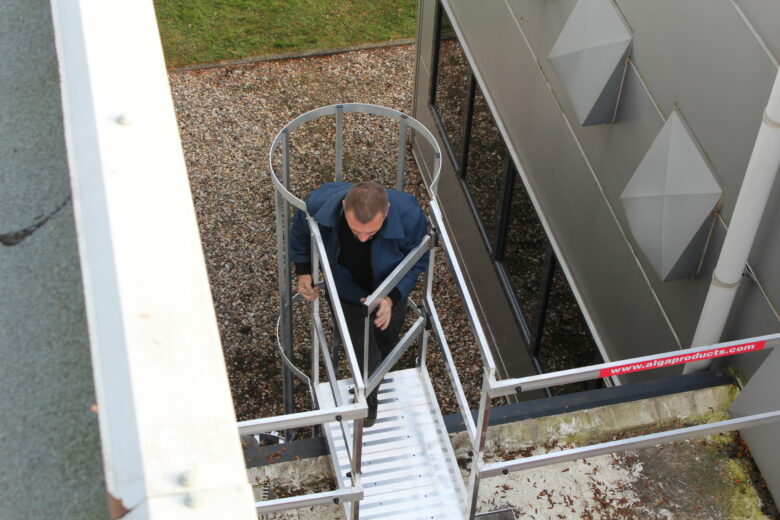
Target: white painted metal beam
[{"x": 167, "y": 424}]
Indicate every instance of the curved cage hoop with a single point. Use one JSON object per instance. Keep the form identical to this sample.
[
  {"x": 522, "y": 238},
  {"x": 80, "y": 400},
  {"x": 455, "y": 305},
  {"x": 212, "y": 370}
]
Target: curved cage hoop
[{"x": 282, "y": 138}]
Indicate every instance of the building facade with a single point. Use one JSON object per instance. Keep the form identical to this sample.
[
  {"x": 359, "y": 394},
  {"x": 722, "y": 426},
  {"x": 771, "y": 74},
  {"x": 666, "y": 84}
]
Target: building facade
[{"x": 555, "y": 116}]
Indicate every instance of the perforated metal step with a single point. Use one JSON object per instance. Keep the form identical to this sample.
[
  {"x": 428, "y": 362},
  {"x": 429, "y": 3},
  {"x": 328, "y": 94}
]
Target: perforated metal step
[{"x": 409, "y": 468}]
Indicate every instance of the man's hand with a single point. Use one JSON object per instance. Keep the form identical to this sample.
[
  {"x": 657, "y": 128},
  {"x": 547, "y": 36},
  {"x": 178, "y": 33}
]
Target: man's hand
[
  {"x": 383, "y": 313},
  {"x": 305, "y": 287}
]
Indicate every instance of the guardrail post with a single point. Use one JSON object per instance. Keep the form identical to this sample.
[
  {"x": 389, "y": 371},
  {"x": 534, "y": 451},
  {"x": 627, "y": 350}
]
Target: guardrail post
[
  {"x": 315, "y": 312},
  {"x": 357, "y": 455},
  {"x": 282, "y": 243},
  {"x": 482, "y": 427},
  {"x": 428, "y": 289},
  {"x": 401, "y": 160}
]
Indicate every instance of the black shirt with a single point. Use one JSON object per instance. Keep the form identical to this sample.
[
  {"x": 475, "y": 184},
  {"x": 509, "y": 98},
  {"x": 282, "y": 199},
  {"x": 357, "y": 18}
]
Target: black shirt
[{"x": 356, "y": 257}]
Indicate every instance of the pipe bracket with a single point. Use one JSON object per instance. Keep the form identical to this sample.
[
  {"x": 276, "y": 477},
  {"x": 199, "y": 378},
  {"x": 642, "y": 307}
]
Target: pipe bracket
[
  {"x": 718, "y": 283},
  {"x": 769, "y": 121}
]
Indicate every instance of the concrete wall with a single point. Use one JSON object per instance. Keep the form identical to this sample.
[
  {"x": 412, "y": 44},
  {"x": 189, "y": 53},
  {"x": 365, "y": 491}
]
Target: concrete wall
[{"x": 49, "y": 443}]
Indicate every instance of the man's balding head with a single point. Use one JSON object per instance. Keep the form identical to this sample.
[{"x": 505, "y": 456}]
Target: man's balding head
[{"x": 365, "y": 200}]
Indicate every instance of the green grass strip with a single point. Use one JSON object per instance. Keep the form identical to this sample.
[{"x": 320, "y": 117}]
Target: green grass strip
[{"x": 205, "y": 31}]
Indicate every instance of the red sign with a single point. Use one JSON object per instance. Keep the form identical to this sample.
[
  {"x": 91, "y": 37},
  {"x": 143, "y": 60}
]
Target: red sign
[{"x": 682, "y": 358}]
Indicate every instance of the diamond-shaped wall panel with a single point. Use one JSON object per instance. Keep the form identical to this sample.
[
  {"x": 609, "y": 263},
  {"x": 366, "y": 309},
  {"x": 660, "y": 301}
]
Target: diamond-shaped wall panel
[
  {"x": 590, "y": 56},
  {"x": 668, "y": 201}
]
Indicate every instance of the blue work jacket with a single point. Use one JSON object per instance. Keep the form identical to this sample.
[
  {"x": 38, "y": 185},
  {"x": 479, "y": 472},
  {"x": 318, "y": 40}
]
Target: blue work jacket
[{"x": 403, "y": 229}]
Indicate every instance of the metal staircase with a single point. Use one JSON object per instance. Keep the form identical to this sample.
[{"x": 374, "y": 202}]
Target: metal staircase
[{"x": 409, "y": 468}]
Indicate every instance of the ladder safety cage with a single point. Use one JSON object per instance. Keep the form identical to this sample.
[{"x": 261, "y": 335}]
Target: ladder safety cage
[{"x": 426, "y": 313}]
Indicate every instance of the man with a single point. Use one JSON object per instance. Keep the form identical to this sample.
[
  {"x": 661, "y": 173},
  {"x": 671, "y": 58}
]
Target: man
[{"x": 367, "y": 231}]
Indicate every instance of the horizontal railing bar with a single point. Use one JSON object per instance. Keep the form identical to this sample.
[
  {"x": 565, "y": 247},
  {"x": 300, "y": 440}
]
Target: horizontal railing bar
[
  {"x": 349, "y": 494},
  {"x": 300, "y": 419},
  {"x": 460, "y": 284},
  {"x": 627, "y": 366},
  {"x": 335, "y": 303},
  {"x": 449, "y": 364},
  {"x": 411, "y": 335},
  {"x": 643, "y": 441},
  {"x": 387, "y": 285}
]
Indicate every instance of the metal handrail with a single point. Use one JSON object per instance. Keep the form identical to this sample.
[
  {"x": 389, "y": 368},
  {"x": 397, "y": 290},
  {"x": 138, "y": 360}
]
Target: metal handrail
[
  {"x": 675, "y": 357},
  {"x": 338, "y": 110},
  {"x": 345, "y": 412},
  {"x": 641, "y": 441},
  {"x": 410, "y": 337},
  {"x": 341, "y": 321},
  {"x": 387, "y": 285},
  {"x": 460, "y": 283},
  {"x": 493, "y": 388}
]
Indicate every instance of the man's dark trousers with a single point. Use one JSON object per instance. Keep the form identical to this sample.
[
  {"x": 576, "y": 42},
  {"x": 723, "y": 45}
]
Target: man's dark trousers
[{"x": 380, "y": 342}]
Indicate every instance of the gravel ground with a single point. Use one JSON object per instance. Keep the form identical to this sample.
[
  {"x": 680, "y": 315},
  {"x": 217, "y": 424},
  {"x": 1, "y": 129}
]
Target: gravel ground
[{"x": 228, "y": 118}]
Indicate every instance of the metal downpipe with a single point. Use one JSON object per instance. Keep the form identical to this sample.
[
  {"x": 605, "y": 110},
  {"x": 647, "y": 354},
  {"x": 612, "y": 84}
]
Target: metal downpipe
[{"x": 753, "y": 195}]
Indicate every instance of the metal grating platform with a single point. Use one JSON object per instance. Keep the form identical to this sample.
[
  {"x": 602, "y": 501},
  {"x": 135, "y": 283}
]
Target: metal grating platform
[{"x": 409, "y": 468}]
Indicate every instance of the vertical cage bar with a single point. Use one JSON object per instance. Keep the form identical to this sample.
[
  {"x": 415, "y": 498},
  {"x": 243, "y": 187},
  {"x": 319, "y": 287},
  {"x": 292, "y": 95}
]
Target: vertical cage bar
[
  {"x": 482, "y": 428},
  {"x": 315, "y": 312},
  {"x": 428, "y": 288},
  {"x": 339, "y": 143},
  {"x": 366, "y": 332},
  {"x": 434, "y": 186},
  {"x": 357, "y": 453},
  {"x": 401, "y": 162},
  {"x": 285, "y": 296},
  {"x": 357, "y": 461}
]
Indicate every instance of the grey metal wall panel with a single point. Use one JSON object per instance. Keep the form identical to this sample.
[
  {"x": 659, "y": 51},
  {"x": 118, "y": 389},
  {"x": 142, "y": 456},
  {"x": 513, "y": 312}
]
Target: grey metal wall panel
[
  {"x": 701, "y": 56},
  {"x": 542, "y": 21},
  {"x": 765, "y": 255},
  {"x": 615, "y": 150},
  {"x": 613, "y": 288},
  {"x": 764, "y": 16},
  {"x": 589, "y": 55}
]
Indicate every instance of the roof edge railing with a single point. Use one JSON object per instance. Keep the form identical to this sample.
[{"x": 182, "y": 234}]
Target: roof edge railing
[
  {"x": 642, "y": 441},
  {"x": 627, "y": 366},
  {"x": 493, "y": 388}
]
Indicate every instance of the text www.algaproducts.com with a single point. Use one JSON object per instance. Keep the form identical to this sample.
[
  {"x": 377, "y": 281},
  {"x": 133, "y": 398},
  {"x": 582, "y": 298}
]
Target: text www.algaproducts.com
[{"x": 677, "y": 360}]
